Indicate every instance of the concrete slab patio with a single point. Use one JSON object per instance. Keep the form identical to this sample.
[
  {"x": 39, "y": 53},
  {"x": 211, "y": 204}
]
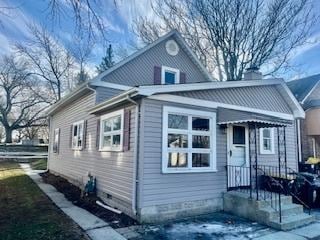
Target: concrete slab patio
[{"x": 96, "y": 228}]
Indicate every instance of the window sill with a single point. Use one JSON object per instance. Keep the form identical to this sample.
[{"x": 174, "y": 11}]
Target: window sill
[
  {"x": 110, "y": 150},
  {"x": 190, "y": 171},
  {"x": 267, "y": 153}
]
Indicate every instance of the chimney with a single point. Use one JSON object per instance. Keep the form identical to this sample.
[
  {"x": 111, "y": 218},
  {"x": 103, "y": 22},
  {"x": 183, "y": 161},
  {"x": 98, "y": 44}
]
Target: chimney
[{"x": 252, "y": 73}]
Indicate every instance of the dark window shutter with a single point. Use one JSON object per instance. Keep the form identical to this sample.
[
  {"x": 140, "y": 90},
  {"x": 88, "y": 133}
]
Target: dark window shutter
[
  {"x": 84, "y": 140},
  {"x": 71, "y": 136},
  {"x": 126, "y": 130},
  {"x": 183, "y": 77},
  {"x": 98, "y": 134},
  {"x": 157, "y": 75}
]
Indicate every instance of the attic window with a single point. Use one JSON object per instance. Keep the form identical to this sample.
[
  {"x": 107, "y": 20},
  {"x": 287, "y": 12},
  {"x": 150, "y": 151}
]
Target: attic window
[
  {"x": 169, "y": 75},
  {"x": 172, "y": 48}
]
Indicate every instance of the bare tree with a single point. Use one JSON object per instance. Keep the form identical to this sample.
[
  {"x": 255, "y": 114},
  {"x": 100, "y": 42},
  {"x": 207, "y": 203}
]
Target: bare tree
[
  {"x": 50, "y": 62},
  {"x": 86, "y": 14},
  {"x": 20, "y": 106},
  {"x": 231, "y": 35}
]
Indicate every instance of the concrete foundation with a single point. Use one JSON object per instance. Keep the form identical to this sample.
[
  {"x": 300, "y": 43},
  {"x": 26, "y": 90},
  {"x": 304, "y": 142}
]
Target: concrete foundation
[{"x": 171, "y": 211}]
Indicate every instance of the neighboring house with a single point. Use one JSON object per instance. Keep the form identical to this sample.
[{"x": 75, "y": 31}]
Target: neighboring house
[
  {"x": 157, "y": 132},
  {"x": 307, "y": 92}
]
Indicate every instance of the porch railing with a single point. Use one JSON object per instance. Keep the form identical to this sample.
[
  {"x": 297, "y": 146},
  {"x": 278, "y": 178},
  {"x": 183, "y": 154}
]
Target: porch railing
[{"x": 267, "y": 183}]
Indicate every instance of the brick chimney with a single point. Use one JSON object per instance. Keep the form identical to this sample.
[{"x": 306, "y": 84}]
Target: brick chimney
[{"x": 252, "y": 73}]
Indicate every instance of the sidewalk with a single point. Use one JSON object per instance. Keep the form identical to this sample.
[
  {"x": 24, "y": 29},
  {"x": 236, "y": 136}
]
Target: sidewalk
[{"x": 95, "y": 228}]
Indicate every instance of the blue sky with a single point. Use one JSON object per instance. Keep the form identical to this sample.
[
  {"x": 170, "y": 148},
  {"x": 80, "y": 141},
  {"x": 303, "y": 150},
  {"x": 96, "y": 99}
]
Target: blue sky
[{"x": 119, "y": 21}]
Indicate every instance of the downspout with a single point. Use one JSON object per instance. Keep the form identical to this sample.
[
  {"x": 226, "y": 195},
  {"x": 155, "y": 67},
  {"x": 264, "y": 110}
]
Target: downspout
[
  {"x": 299, "y": 140},
  {"x": 136, "y": 156},
  {"x": 49, "y": 142}
]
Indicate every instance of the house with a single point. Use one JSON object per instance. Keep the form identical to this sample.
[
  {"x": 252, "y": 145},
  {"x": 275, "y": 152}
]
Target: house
[
  {"x": 158, "y": 132},
  {"x": 307, "y": 92}
]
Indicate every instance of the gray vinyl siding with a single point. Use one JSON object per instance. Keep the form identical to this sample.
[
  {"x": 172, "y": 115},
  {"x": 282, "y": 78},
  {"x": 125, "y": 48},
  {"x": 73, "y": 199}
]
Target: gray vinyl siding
[
  {"x": 158, "y": 188},
  {"x": 260, "y": 97},
  {"x": 113, "y": 170},
  {"x": 272, "y": 159},
  {"x": 104, "y": 93},
  {"x": 139, "y": 71}
]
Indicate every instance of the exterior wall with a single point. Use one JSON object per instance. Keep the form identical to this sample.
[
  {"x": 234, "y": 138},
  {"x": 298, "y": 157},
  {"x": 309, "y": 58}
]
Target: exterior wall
[
  {"x": 113, "y": 170},
  {"x": 260, "y": 97},
  {"x": 103, "y": 93},
  {"x": 139, "y": 71},
  {"x": 312, "y": 122},
  {"x": 164, "y": 196},
  {"x": 307, "y": 142},
  {"x": 292, "y": 151}
]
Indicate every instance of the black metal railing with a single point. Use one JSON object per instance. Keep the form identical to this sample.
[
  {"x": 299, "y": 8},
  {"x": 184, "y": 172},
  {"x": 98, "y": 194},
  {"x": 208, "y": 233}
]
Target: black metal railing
[{"x": 268, "y": 183}]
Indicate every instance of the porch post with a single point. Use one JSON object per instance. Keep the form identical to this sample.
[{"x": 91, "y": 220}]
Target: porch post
[
  {"x": 279, "y": 171},
  {"x": 285, "y": 151},
  {"x": 256, "y": 159},
  {"x": 250, "y": 158}
]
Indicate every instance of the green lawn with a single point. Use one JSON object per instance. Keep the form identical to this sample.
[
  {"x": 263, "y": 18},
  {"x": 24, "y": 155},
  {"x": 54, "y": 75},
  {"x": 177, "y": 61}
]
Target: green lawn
[
  {"x": 39, "y": 164},
  {"x": 26, "y": 213}
]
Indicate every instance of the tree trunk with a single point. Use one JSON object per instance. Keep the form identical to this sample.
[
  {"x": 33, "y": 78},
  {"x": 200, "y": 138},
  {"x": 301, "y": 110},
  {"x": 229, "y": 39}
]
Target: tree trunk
[{"x": 8, "y": 135}]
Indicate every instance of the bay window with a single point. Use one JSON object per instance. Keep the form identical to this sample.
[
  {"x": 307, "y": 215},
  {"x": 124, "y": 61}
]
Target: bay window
[
  {"x": 111, "y": 131},
  {"x": 188, "y": 140}
]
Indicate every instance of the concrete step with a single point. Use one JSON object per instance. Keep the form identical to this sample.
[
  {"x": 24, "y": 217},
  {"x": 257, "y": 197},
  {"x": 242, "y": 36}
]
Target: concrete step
[
  {"x": 292, "y": 221},
  {"x": 275, "y": 201},
  {"x": 286, "y": 210}
]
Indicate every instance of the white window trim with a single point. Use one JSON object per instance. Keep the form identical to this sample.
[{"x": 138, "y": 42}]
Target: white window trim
[
  {"x": 107, "y": 116},
  {"x": 72, "y": 137},
  {"x": 169, "y": 69},
  {"x": 212, "y": 133},
  {"x": 262, "y": 150}
]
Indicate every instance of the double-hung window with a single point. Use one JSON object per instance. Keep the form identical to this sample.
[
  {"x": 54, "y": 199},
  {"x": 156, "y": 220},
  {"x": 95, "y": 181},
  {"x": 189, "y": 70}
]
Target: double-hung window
[
  {"x": 77, "y": 135},
  {"x": 267, "y": 140},
  {"x": 188, "y": 140},
  {"x": 170, "y": 75},
  {"x": 111, "y": 131}
]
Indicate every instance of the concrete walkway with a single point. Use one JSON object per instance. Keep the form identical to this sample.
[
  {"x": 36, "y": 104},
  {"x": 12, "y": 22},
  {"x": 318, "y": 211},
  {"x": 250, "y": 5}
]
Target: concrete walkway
[
  {"x": 310, "y": 232},
  {"x": 96, "y": 228}
]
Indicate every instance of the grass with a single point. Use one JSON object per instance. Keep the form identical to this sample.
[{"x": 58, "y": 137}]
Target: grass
[
  {"x": 39, "y": 164},
  {"x": 26, "y": 213}
]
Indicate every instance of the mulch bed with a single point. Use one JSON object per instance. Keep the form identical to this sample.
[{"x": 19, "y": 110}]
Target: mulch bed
[{"x": 73, "y": 194}]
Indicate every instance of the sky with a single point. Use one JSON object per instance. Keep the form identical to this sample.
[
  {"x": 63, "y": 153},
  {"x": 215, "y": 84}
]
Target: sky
[{"x": 119, "y": 20}]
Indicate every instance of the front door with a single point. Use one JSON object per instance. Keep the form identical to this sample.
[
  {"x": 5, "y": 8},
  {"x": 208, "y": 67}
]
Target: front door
[{"x": 238, "y": 156}]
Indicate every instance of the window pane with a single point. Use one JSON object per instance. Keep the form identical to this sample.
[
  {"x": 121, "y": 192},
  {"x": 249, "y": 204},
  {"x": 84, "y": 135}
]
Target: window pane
[
  {"x": 200, "y": 141},
  {"x": 239, "y": 135},
  {"x": 177, "y": 141},
  {"x": 267, "y": 144},
  {"x": 117, "y": 123},
  {"x": 266, "y": 133},
  {"x": 106, "y": 141},
  {"x": 177, "y": 160},
  {"x": 200, "y": 160},
  {"x": 116, "y": 140},
  {"x": 107, "y": 125},
  {"x": 200, "y": 124},
  {"x": 177, "y": 121},
  {"x": 75, "y": 130},
  {"x": 169, "y": 77},
  {"x": 80, "y": 130}
]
